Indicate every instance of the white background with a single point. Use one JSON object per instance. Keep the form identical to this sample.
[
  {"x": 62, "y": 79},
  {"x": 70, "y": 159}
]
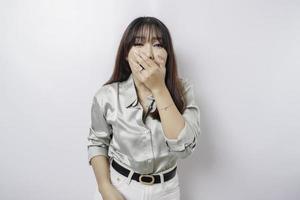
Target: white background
[{"x": 242, "y": 56}]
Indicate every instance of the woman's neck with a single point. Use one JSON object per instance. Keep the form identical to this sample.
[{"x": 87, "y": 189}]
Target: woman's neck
[{"x": 142, "y": 90}]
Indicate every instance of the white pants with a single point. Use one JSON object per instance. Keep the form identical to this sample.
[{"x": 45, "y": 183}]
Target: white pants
[{"x": 133, "y": 190}]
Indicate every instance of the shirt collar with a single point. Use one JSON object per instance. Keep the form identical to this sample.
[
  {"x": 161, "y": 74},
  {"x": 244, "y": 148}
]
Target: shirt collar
[
  {"x": 128, "y": 88},
  {"x": 130, "y": 93}
]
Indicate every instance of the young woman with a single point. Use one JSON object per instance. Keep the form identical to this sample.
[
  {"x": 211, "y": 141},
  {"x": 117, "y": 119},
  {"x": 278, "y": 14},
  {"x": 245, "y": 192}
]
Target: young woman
[{"x": 143, "y": 119}]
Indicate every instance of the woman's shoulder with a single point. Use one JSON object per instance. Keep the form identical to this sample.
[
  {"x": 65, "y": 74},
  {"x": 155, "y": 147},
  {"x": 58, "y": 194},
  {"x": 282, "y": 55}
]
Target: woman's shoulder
[
  {"x": 106, "y": 92},
  {"x": 186, "y": 83}
]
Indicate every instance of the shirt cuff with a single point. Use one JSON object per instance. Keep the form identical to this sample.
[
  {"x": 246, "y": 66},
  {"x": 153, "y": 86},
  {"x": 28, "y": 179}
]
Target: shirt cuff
[
  {"x": 184, "y": 139},
  {"x": 95, "y": 151}
]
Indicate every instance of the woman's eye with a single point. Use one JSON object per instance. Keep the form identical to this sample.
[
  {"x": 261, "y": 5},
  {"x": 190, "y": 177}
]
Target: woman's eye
[
  {"x": 158, "y": 45},
  {"x": 138, "y": 44}
]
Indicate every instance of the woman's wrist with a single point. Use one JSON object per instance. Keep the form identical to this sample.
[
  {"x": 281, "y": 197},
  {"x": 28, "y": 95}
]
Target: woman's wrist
[
  {"x": 104, "y": 186},
  {"x": 159, "y": 91}
]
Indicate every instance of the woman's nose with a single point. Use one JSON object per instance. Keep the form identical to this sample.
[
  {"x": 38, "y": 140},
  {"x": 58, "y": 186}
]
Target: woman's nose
[{"x": 147, "y": 49}]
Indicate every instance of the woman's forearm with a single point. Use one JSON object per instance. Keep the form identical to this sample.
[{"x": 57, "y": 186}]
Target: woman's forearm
[
  {"x": 100, "y": 166},
  {"x": 172, "y": 120}
]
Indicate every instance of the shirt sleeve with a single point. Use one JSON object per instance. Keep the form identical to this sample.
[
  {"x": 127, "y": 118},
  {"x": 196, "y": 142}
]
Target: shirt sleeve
[
  {"x": 100, "y": 132},
  {"x": 187, "y": 139}
]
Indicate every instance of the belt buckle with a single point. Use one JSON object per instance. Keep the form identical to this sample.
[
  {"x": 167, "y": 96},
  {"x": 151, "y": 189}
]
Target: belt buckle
[{"x": 146, "y": 175}]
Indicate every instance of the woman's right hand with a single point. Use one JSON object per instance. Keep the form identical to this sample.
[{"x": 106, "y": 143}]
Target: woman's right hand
[{"x": 110, "y": 192}]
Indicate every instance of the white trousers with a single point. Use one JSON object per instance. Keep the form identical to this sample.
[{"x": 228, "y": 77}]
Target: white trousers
[{"x": 134, "y": 190}]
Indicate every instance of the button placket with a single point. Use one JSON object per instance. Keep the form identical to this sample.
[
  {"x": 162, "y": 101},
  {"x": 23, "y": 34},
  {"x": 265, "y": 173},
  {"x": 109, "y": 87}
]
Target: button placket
[{"x": 148, "y": 162}]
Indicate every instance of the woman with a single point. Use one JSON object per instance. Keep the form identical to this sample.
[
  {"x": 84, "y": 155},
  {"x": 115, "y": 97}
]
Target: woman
[{"x": 143, "y": 119}]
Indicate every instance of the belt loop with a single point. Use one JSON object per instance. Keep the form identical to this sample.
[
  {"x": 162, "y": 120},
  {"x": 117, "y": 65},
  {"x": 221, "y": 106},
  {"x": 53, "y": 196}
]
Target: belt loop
[
  {"x": 129, "y": 176},
  {"x": 110, "y": 163},
  {"x": 110, "y": 160},
  {"x": 162, "y": 180}
]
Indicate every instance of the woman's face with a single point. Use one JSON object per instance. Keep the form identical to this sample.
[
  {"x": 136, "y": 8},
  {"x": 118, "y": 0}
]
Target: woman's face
[{"x": 151, "y": 48}]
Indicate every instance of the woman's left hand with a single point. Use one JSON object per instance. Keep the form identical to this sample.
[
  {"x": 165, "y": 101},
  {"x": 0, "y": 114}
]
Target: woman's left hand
[{"x": 153, "y": 74}]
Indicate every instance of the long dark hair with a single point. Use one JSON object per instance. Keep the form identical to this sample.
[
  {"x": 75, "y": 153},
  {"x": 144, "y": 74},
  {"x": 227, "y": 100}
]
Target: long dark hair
[{"x": 122, "y": 69}]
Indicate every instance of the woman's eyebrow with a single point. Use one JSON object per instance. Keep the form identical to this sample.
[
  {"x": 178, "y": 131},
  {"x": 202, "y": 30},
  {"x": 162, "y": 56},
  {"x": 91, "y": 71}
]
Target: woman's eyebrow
[{"x": 139, "y": 38}]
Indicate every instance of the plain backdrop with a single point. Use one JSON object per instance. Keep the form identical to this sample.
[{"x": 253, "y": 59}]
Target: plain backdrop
[{"x": 241, "y": 55}]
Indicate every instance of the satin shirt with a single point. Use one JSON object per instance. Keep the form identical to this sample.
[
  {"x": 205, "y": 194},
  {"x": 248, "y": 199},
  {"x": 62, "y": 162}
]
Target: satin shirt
[{"x": 118, "y": 132}]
